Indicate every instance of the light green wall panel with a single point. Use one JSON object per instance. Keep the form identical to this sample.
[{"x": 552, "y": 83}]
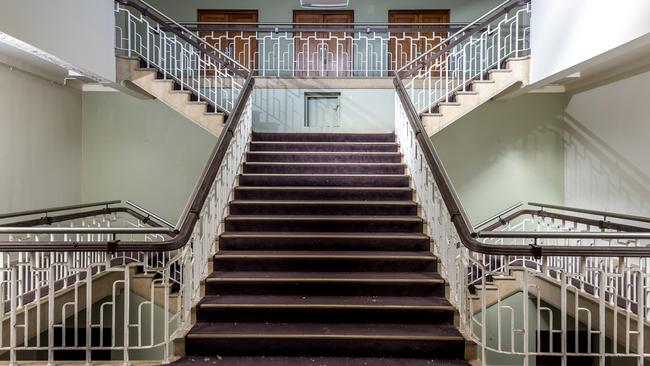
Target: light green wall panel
[
  {"x": 140, "y": 150},
  {"x": 505, "y": 152},
  {"x": 361, "y": 110}
]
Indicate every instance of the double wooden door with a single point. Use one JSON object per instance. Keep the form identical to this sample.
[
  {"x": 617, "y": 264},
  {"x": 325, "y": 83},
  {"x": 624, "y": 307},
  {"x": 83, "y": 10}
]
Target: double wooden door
[
  {"x": 238, "y": 44},
  {"x": 322, "y": 53},
  {"x": 404, "y": 47}
]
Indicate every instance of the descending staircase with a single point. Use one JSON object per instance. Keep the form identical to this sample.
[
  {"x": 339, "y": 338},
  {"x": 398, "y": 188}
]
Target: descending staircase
[{"x": 324, "y": 256}]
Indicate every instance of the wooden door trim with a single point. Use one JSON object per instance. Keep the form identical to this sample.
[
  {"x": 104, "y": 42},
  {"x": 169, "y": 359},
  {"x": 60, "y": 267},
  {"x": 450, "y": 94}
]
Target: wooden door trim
[
  {"x": 228, "y": 11},
  {"x": 446, "y": 12},
  {"x": 324, "y": 12}
]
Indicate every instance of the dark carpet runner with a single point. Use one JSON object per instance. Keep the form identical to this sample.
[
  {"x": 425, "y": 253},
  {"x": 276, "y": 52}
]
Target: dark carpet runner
[{"x": 324, "y": 262}]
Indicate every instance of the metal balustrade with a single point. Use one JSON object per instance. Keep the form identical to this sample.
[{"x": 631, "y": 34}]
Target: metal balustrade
[
  {"x": 324, "y": 50},
  {"x": 468, "y": 55},
  {"x": 159, "y": 42}
]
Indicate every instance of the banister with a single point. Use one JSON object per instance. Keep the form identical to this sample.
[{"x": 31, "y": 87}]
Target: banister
[
  {"x": 178, "y": 236},
  {"x": 497, "y": 215},
  {"x": 608, "y": 214},
  {"x": 58, "y": 209},
  {"x": 202, "y": 45},
  {"x": 149, "y": 214},
  {"x": 462, "y": 225},
  {"x": 456, "y": 38}
]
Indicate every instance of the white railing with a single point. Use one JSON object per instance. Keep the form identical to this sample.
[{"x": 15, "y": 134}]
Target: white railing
[
  {"x": 106, "y": 304},
  {"x": 467, "y": 56},
  {"x": 326, "y": 52},
  {"x": 522, "y": 309},
  {"x": 178, "y": 54}
]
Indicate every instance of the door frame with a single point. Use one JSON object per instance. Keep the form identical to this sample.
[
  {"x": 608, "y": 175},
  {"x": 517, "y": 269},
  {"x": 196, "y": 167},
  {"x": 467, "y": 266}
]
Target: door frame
[{"x": 252, "y": 62}]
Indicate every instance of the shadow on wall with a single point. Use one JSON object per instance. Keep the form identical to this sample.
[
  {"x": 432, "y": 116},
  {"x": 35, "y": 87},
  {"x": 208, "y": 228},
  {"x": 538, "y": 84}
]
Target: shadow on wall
[
  {"x": 505, "y": 152},
  {"x": 598, "y": 177},
  {"x": 361, "y": 110}
]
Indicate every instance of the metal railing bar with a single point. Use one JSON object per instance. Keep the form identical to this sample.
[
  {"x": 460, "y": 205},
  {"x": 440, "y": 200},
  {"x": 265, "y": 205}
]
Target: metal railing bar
[
  {"x": 149, "y": 213},
  {"x": 86, "y": 230},
  {"x": 327, "y": 30},
  {"x": 563, "y": 235},
  {"x": 498, "y": 215},
  {"x": 332, "y": 24},
  {"x": 58, "y": 209},
  {"x": 606, "y": 214}
]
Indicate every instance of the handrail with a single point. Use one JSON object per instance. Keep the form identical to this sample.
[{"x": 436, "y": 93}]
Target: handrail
[
  {"x": 182, "y": 233},
  {"x": 498, "y": 215},
  {"x": 58, "y": 209},
  {"x": 606, "y": 214},
  {"x": 164, "y": 21},
  {"x": 463, "y": 227},
  {"x": 149, "y": 214},
  {"x": 452, "y": 41}
]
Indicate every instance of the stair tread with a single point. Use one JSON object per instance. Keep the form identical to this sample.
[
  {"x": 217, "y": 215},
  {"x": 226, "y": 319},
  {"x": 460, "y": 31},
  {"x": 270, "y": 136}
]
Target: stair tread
[
  {"x": 327, "y": 330},
  {"x": 282, "y": 143},
  {"x": 318, "y": 301},
  {"x": 322, "y": 202},
  {"x": 322, "y": 218},
  {"x": 314, "y": 361},
  {"x": 328, "y": 152},
  {"x": 320, "y": 175},
  {"x": 276, "y": 163},
  {"x": 328, "y": 276},
  {"x": 323, "y": 234},
  {"x": 324, "y": 254},
  {"x": 329, "y": 188}
]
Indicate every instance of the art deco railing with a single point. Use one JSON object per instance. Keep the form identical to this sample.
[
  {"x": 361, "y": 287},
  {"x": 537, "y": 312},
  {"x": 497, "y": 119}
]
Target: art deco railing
[
  {"x": 159, "y": 42},
  {"x": 539, "y": 285},
  {"x": 323, "y": 50},
  {"x": 467, "y": 55}
]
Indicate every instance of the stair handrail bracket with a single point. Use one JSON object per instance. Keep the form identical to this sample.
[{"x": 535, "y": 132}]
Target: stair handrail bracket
[
  {"x": 145, "y": 33},
  {"x": 542, "y": 284}
]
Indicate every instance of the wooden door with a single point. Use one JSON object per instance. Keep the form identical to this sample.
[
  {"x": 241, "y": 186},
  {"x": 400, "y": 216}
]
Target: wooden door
[
  {"x": 322, "y": 53},
  {"x": 405, "y": 47},
  {"x": 238, "y": 44}
]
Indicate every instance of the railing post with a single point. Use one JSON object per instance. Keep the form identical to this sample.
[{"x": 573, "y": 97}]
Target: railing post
[
  {"x": 126, "y": 293},
  {"x": 640, "y": 322},
  {"x": 89, "y": 312},
  {"x": 12, "y": 320},
  {"x": 563, "y": 317},
  {"x": 601, "y": 318},
  {"x": 50, "y": 312}
]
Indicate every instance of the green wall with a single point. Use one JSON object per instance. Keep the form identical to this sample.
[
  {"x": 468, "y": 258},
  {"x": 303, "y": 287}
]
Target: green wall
[
  {"x": 365, "y": 10},
  {"x": 506, "y": 151},
  {"x": 140, "y": 150}
]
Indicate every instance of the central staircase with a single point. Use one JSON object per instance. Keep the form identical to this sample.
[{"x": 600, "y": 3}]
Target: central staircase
[{"x": 323, "y": 259}]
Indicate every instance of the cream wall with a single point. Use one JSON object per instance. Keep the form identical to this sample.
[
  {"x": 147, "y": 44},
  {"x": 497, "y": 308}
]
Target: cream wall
[
  {"x": 80, "y": 32},
  {"x": 565, "y": 33},
  {"x": 606, "y": 146},
  {"x": 140, "y": 150},
  {"x": 504, "y": 152},
  {"x": 40, "y": 142}
]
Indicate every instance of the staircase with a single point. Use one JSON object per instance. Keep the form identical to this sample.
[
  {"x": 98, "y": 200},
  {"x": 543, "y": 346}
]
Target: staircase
[
  {"x": 515, "y": 75},
  {"x": 323, "y": 258}
]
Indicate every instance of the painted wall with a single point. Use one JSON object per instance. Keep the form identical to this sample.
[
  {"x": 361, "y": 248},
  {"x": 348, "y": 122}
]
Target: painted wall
[
  {"x": 607, "y": 165},
  {"x": 565, "y": 33},
  {"x": 361, "y": 110},
  {"x": 140, "y": 150},
  {"x": 40, "y": 142},
  {"x": 365, "y": 10},
  {"x": 505, "y": 152},
  {"x": 86, "y": 23}
]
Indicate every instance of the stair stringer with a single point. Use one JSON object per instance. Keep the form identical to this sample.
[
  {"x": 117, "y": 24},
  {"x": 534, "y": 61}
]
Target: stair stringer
[
  {"x": 502, "y": 287},
  {"x": 129, "y": 71},
  {"x": 516, "y": 74}
]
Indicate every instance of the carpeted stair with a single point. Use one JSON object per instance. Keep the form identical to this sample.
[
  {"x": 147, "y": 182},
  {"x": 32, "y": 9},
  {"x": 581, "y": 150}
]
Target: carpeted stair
[{"x": 324, "y": 262}]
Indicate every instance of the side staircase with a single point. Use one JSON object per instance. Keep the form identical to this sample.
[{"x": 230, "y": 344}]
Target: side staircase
[{"x": 324, "y": 259}]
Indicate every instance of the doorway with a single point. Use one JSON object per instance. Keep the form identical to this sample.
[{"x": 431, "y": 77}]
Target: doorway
[
  {"x": 322, "y": 53},
  {"x": 405, "y": 47},
  {"x": 236, "y": 43}
]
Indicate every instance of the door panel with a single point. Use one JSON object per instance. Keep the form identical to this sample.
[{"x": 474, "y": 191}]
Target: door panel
[
  {"x": 404, "y": 47},
  {"x": 322, "y": 53},
  {"x": 242, "y": 46}
]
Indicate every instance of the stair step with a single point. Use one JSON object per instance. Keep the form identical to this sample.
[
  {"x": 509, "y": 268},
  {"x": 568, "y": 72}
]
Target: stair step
[
  {"x": 324, "y": 168},
  {"x": 325, "y": 193},
  {"x": 415, "y": 340},
  {"x": 324, "y": 137},
  {"x": 324, "y": 223},
  {"x": 325, "y": 283},
  {"x": 325, "y": 180},
  {"x": 324, "y": 261},
  {"x": 324, "y": 241},
  {"x": 324, "y": 157},
  {"x": 345, "y": 309},
  {"x": 329, "y": 207},
  {"x": 324, "y": 146},
  {"x": 314, "y": 361}
]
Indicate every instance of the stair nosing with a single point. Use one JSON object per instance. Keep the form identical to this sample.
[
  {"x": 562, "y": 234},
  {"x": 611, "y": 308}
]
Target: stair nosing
[
  {"x": 313, "y": 188},
  {"x": 329, "y": 306},
  {"x": 323, "y": 218},
  {"x": 321, "y": 202},
  {"x": 322, "y": 336},
  {"x": 322, "y": 235}
]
